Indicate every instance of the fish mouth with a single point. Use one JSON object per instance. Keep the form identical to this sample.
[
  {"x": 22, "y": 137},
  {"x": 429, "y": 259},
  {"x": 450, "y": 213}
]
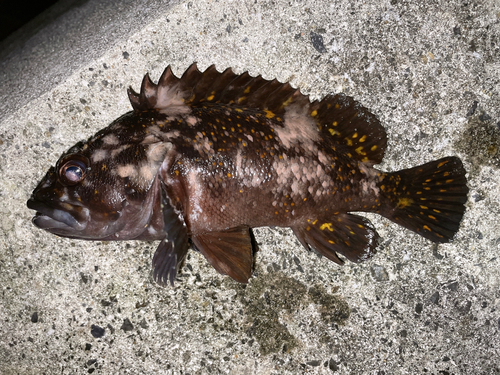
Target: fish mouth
[{"x": 56, "y": 220}]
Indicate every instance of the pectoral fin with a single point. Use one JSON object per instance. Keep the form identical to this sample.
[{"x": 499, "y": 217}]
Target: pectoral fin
[
  {"x": 173, "y": 249},
  {"x": 350, "y": 235},
  {"x": 230, "y": 252}
]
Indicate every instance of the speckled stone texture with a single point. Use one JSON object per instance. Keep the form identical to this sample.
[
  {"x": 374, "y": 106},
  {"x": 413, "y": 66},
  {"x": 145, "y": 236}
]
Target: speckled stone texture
[{"x": 429, "y": 69}]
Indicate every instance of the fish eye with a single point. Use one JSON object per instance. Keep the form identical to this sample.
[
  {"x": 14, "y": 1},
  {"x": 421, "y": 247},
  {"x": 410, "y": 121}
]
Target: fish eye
[{"x": 73, "y": 169}]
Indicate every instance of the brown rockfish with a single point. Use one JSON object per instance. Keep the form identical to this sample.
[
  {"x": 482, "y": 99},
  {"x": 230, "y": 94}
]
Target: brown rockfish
[{"x": 204, "y": 158}]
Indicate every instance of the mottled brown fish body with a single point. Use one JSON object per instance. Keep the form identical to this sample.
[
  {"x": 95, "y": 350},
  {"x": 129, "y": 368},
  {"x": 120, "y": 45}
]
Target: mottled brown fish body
[
  {"x": 234, "y": 179},
  {"x": 204, "y": 158}
]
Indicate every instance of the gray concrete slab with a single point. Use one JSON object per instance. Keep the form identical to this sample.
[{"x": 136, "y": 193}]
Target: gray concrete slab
[{"x": 429, "y": 69}]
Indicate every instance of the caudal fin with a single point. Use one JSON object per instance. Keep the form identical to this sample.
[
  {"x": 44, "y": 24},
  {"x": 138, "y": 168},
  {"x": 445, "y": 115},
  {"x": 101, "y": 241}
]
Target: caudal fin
[{"x": 428, "y": 199}]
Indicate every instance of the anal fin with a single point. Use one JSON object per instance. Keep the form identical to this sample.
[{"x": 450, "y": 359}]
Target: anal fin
[
  {"x": 173, "y": 249},
  {"x": 350, "y": 235},
  {"x": 230, "y": 252}
]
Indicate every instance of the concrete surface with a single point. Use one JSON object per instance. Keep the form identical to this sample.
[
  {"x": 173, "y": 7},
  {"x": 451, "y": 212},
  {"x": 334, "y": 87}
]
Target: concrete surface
[{"x": 429, "y": 69}]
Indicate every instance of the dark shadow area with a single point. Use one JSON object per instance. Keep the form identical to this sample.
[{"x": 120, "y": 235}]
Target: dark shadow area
[{"x": 15, "y": 14}]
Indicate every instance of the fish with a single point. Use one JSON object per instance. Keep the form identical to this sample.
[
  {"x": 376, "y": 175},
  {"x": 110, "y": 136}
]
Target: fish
[{"x": 203, "y": 159}]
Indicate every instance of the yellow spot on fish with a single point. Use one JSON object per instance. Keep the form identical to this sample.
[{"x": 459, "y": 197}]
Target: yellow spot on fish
[
  {"x": 442, "y": 163},
  {"x": 360, "y": 151},
  {"x": 374, "y": 147},
  {"x": 363, "y": 138},
  {"x": 332, "y": 242},
  {"x": 211, "y": 97},
  {"x": 269, "y": 114},
  {"x": 238, "y": 110},
  {"x": 427, "y": 228},
  {"x": 326, "y": 226},
  {"x": 104, "y": 167},
  {"x": 404, "y": 202},
  {"x": 314, "y": 113},
  {"x": 355, "y": 135},
  {"x": 229, "y": 175},
  {"x": 333, "y": 132},
  {"x": 335, "y": 123}
]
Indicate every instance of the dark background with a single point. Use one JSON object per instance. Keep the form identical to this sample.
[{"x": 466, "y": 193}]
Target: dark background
[{"x": 15, "y": 13}]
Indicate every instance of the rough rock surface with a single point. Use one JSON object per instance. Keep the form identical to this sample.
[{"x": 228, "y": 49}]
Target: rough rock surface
[{"x": 429, "y": 69}]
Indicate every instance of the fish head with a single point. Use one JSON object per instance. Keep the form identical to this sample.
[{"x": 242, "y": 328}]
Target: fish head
[
  {"x": 74, "y": 200},
  {"x": 106, "y": 188}
]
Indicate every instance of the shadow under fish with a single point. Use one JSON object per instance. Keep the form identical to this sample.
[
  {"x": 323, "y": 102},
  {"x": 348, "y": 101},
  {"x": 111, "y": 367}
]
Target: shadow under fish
[{"x": 204, "y": 158}]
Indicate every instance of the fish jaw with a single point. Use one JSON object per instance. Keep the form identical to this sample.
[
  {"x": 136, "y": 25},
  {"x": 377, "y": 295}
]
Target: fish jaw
[
  {"x": 60, "y": 211},
  {"x": 63, "y": 217},
  {"x": 56, "y": 220}
]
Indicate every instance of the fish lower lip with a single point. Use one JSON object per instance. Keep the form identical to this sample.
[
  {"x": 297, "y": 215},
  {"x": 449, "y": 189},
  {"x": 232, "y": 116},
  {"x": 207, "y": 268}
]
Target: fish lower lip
[
  {"x": 52, "y": 218},
  {"x": 43, "y": 221}
]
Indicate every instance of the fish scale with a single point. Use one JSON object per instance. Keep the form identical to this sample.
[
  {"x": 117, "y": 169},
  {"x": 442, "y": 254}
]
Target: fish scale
[{"x": 203, "y": 159}]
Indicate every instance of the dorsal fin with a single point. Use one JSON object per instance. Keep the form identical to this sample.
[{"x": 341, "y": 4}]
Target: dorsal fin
[
  {"x": 351, "y": 125},
  {"x": 339, "y": 118}
]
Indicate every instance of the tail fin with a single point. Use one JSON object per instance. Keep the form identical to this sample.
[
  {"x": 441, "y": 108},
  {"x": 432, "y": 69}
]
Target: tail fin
[{"x": 428, "y": 199}]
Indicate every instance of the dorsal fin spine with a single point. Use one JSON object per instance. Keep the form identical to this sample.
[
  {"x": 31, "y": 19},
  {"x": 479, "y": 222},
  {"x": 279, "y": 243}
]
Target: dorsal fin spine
[{"x": 356, "y": 129}]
